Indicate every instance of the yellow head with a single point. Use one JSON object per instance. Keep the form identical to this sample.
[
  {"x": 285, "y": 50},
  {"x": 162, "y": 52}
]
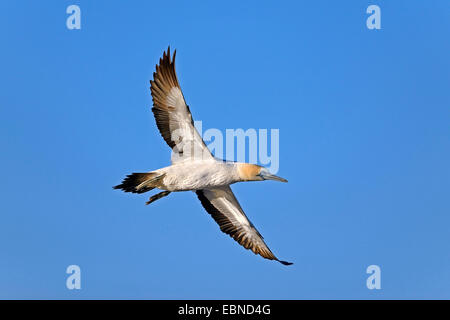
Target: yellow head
[{"x": 253, "y": 172}]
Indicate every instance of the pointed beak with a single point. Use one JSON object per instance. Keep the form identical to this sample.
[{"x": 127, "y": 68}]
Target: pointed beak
[{"x": 268, "y": 176}]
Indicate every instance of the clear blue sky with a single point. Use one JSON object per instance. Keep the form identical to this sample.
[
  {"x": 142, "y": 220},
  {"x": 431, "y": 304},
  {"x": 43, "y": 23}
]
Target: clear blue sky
[{"x": 364, "y": 142}]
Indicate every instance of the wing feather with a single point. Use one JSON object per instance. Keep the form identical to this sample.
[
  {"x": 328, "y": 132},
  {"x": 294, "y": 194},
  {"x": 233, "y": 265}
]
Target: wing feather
[
  {"x": 173, "y": 117},
  {"x": 225, "y": 209}
]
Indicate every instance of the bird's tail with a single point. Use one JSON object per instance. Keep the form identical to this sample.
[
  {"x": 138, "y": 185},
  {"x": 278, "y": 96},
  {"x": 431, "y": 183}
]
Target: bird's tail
[{"x": 140, "y": 182}]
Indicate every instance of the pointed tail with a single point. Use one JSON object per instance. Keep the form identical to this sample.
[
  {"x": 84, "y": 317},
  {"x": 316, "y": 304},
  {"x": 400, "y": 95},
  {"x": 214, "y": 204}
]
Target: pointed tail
[{"x": 139, "y": 182}]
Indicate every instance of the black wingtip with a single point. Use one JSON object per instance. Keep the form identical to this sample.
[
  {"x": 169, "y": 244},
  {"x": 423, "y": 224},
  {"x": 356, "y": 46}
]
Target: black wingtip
[{"x": 285, "y": 262}]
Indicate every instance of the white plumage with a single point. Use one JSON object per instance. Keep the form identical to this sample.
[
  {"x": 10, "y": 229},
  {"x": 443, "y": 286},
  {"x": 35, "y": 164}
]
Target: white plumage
[
  {"x": 193, "y": 166},
  {"x": 197, "y": 175}
]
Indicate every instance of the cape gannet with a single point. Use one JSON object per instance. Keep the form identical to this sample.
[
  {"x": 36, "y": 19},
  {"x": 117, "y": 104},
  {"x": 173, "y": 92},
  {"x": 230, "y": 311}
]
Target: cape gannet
[{"x": 193, "y": 166}]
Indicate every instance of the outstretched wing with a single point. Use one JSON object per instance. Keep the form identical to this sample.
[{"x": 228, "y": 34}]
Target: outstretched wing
[
  {"x": 223, "y": 206},
  {"x": 172, "y": 115}
]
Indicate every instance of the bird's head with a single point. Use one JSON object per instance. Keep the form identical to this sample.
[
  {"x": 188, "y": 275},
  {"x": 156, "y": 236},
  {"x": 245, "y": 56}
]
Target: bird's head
[{"x": 253, "y": 172}]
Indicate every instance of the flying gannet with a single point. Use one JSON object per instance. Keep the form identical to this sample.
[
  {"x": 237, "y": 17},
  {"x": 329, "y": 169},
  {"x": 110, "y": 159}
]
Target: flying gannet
[{"x": 193, "y": 166}]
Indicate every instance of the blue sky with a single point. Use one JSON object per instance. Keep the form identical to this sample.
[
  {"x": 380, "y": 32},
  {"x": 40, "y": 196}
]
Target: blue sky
[{"x": 364, "y": 142}]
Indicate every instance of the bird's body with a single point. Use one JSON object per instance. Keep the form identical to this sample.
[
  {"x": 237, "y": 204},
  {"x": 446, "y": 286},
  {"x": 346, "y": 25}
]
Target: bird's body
[
  {"x": 194, "y": 168},
  {"x": 197, "y": 175}
]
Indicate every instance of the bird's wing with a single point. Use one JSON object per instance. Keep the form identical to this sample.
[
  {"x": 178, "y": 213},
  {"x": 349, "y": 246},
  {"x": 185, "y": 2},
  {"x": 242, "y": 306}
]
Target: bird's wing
[
  {"x": 172, "y": 114},
  {"x": 223, "y": 206}
]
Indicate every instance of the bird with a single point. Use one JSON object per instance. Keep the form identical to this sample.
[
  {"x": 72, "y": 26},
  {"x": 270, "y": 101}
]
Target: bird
[{"x": 194, "y": 168}]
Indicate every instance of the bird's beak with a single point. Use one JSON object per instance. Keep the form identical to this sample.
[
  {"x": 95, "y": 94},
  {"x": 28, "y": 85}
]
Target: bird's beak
[{"x": 268, "y": 176}]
